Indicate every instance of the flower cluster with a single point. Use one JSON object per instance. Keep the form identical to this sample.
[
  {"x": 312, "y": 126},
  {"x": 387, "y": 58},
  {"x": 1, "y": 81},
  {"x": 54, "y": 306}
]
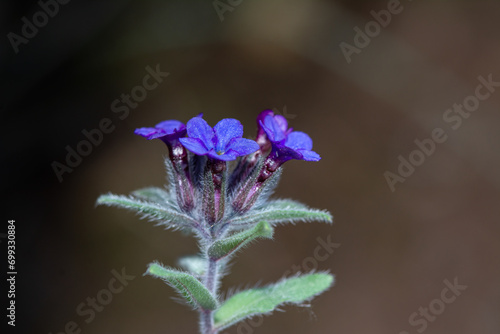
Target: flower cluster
[
  {"x": 218, "y": 145},
  {"x": 199, "y": 156}
]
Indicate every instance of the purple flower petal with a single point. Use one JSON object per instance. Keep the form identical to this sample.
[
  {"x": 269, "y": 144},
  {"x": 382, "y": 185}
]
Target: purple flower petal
[
  {"x": 223, "y": 142},
  {"x": 282, "y": 122},
  {"x": 171, "y": 126},
  {"x": 225, "y": 131},
  {"x": 195, "y": 145},
  {"x": 228, "y": 156},
  {"x": 242, "y": 146},
  {"x": 263, "y": 115},
  {"x": 273, "y": 129},
  {"x": 296, "y": 145},
  {"x": 168, "y": 131},
  {"x": 299, "y": 140},
  {"x": 150, "y": 133},
  {"x": 198, "y": 128},
  {"x": 309, "y": 155}
]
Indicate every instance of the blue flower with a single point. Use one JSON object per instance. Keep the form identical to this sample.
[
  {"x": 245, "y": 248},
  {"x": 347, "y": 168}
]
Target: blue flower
[
  {"x": 170, "y": 132},
  {"x": 167, "y": 131},
  {"x": 275, "y": 126},
  {"x": 261, "y": 137},
  {"x": 223, "y": 142},
  {"x": 287, "y": 144}
]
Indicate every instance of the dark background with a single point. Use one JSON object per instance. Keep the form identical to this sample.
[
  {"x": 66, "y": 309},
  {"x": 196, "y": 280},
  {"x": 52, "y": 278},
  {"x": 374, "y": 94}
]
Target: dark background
[{"x": 396, "y": 248}]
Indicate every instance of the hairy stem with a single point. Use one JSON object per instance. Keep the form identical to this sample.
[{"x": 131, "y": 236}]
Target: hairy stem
[
  {"x": 206, "y": 322},
  {"x": 211, "y": 282}
]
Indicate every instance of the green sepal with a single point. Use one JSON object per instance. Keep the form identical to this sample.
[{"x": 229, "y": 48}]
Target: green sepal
[
  {"x": 166, "y": 216},
  {"x": 282, "y": 211},
  {"x": 208, "y": 207},
  {"x": 264, "y": 300},
  {"x": 230, "y": 245},
  {"x": 187, "y": 285}
]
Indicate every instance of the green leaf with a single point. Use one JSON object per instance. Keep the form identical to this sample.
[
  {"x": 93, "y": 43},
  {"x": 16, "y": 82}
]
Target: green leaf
[
  {"x": 166, "y": 216},
  {"x": 282, "y": 211},
  {"x": 284, "y": 204},
  {"x": 229, "y": 246},
  {"x": 194, "y": 264},
  {"x": 264, "y": 300},
  {"x": 188, "y": 286},
  {"x": 154, "y": 194}
]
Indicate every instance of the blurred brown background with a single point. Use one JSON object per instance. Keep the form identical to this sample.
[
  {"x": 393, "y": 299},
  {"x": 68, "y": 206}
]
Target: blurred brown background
[{"x": 396, "y": 248}]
